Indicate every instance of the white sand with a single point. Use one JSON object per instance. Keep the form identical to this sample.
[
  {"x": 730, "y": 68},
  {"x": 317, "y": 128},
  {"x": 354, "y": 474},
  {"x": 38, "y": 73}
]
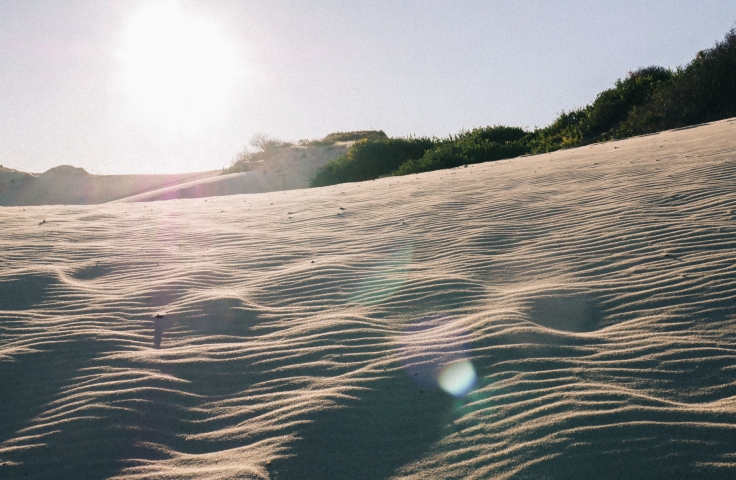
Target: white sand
[{"x": 593, "y": 291}]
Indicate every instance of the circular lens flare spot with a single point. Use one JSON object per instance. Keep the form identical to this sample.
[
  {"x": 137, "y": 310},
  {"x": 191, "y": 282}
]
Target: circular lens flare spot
[{"x": 458, "y": 378}]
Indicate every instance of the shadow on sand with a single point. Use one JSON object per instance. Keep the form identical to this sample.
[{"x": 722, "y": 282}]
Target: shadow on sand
[{"x": 391, "y": 424}]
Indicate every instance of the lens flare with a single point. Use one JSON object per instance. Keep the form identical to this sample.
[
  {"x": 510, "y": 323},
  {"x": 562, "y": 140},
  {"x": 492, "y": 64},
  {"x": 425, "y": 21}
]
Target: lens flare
[
  {"x": 457, "y": 378},
  {"x": 386, "y": 278},
  {"x": 435, "y": 353},
  {"x": 178, "y": 68}
]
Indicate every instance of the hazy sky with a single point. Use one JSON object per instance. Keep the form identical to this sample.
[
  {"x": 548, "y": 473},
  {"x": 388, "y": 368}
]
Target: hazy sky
[{"x": 173, "y": 86}]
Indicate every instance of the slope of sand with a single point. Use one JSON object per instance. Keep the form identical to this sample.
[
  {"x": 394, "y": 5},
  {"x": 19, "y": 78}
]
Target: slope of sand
[
  {"x": 287, "y": 168},
  {"x": 230, "y": 184},
  {"x": 580, "y": 306},
  {"x": 292, "y": 167},
  {"x": 74, "y": 186}
]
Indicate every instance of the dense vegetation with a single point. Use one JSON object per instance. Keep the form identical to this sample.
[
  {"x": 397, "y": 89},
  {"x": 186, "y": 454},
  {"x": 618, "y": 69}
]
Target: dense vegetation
[
  {"x": 648, "y": 100},
  {"x": 475, "y": 146},
  {"x": 703, "y": 91},
  {"x": 369, "y": 159}
]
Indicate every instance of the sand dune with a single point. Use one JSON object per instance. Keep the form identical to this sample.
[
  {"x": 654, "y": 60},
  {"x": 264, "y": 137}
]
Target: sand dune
[
  {"x": 568, "y": 315},
  {"x": 74, "y": 186},
  {"x": 287, "y": 168},
  {"x": 230, "y": 184}
]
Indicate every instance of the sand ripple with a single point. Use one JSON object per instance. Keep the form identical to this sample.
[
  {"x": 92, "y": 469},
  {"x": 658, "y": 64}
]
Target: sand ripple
[{"x": 581, "y": 303}]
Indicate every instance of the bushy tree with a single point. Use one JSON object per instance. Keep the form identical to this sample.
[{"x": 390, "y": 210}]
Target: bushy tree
[
  {"x": 703, "y": 91},
  {"x": 602, "y": 119}
]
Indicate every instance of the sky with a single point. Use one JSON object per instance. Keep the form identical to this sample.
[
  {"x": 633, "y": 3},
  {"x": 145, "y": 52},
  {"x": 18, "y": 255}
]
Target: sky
[{"x": 169, "y": 86}]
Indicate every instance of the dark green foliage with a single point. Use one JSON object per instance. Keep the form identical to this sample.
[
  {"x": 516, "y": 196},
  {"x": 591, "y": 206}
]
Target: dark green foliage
[
  {"x": 612, "y": 106},
  {"x": 498, "y": 134},
  {"x": 565, "y": 132},
  {"x": 369, "y": 159},
  {"x": 703, "y": 91},
  {"x": 651, "y": 100},
  {"x": 648, "y": 100},
  {"x": 475, "y": 146},
  {"x": 601, "y": 120},
  {"x": 353, "y": 136}
]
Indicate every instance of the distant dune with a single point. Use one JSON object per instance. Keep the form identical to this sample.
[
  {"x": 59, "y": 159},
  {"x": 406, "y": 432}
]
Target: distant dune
[
  {"x": 230, "y": 184},
  {"x": 562, "y": 316},
  {"x": 74, "y": 186},
  {"x": 290, "y": 169}
]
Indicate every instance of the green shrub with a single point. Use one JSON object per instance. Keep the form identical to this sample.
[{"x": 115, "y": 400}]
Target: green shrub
[
  {"x": 497, "y": 133},
  {"x": 354, "y": 136},
  {"x": 370, "y": 159},
  {"x": 612, "y": 106},
  {"x": 475, "y": 146},
  {"x": 648, "y": 100},
  {"x": 602, "y": 119},
  {"x": 564, "y": 132},
  {"x": 703, "y": 91}
]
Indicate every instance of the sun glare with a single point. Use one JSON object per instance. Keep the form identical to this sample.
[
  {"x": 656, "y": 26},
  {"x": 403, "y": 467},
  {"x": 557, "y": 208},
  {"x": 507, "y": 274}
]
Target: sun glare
[{"x": 179, "y": 69}]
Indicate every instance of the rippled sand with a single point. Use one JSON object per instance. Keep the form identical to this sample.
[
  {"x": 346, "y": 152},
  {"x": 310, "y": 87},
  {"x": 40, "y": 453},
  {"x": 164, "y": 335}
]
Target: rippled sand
[{"x": 570, "y": 315}]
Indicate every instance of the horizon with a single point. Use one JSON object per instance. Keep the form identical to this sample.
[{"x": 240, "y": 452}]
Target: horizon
[{"x": 182, "y": 86}]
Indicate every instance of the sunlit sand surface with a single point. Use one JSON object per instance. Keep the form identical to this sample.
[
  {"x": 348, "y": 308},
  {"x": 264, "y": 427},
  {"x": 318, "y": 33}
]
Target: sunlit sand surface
[{"x": 569, "y": 315}]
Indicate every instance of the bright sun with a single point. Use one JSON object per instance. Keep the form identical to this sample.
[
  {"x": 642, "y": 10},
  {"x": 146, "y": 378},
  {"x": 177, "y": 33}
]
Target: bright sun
[{"x": 179, "y": 69}]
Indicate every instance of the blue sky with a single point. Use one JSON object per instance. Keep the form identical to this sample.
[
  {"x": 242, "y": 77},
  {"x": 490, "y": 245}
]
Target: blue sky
[{"x": 299, "y": 69}]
